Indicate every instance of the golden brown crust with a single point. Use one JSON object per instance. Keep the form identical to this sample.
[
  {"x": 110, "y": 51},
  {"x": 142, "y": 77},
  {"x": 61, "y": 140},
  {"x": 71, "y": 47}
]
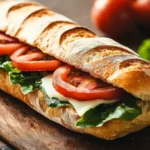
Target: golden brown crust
[
  {"x": 102, "y": 57},
  {"x": 61, "y": 37},
  {"x": 67, "y": 116}
]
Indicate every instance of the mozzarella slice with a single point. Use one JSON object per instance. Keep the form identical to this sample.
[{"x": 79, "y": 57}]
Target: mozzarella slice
[{"x": 80, "y": 106}]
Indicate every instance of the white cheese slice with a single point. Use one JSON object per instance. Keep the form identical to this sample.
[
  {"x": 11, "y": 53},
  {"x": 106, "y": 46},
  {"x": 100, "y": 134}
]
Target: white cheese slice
[{"x": 80, "y": 106}]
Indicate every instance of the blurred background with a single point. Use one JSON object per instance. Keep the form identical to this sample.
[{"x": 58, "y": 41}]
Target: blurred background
[{"x": 77, "y": 10}]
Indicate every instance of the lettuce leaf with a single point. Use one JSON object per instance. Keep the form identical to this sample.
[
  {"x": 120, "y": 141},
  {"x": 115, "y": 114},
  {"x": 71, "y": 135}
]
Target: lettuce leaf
[
  {"x": 144, "y": 49},
  {"x": 8, "y": 67},
  {"x": 125, "y": 110},
  {"x": 28, "y": 81}
]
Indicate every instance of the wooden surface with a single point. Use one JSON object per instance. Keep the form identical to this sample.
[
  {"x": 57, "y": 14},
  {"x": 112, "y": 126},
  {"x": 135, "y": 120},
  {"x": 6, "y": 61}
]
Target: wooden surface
[{"x": 25, "y": 129}]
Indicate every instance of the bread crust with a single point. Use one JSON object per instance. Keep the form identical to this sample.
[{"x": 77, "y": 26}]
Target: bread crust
[
  {"x": 103, "y": 58},
  {"x": 67, "y": 116},
  {"x": 62, "y": 38}
]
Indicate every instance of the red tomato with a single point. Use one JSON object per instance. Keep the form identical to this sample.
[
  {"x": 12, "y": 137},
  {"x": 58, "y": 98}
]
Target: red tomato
[
  {"x": 8, "y": 45},
  {"x": 21, "y": 55},
  {"x": 33, "y": 60},
  {"x": 111, "y": 16},
  {"x": 83, "y": 87},
  {"x": 8, "y": 49},
  {"x": 141, "y": 11}
]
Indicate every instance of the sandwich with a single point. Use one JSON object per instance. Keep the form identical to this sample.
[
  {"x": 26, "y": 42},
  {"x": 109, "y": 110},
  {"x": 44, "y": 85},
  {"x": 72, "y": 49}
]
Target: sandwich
[{"x": 88, "y": 84}]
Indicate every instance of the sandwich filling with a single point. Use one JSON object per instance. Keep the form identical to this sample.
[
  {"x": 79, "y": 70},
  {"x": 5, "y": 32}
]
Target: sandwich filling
[{"x": 94, "y": 100}]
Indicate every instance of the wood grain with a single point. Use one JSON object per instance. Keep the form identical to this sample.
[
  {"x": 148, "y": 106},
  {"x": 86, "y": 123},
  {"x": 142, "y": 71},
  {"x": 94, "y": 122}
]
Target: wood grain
[{"x": 27, "y": 130}]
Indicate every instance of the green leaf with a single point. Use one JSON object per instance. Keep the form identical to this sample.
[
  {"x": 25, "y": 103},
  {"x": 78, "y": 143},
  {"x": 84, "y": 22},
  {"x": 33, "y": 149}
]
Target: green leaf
[
  {"x": 7, "y": 66},
  {"x": 144, "y": 50},
  {"x": 28, "y": 81},
  {"x": 26, "y": 88},
  {"x": 126, "y": 110},
  {"x": 55, "y": 102}
]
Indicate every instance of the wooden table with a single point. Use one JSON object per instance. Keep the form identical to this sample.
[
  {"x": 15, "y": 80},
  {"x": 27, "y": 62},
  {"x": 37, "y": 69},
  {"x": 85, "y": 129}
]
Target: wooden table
[
  {"x": 55, "y": 136},
  {"x": 27, "y": 130}
]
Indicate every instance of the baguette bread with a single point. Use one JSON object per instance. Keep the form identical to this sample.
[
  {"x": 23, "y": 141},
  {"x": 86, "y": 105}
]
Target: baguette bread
[
  {"x": 60, "y": 37},
  {"x": 103, "y": 58}
]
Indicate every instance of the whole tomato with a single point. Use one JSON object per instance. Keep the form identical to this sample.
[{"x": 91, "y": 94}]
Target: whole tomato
[
  {"x": 116, "y": 17},
  {"x": 141, "y": 11},
  {"x": 112, "y": 16}
]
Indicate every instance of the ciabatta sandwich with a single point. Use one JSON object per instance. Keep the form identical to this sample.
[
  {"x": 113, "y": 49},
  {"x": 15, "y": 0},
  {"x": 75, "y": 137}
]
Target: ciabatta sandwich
[{"x": 86, "y": 83}]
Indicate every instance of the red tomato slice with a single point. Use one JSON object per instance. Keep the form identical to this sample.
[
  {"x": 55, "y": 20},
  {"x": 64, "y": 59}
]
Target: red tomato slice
[
  {"x": 86, "y": 89},
  {"x": 7, "y": 47},
  {"x": 33, "y": 60},
  {"x": 19, "y": 55}
]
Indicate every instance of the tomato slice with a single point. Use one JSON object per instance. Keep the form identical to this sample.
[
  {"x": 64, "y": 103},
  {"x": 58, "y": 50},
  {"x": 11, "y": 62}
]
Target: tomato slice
[
  {"x": 8, "y": 49},
  {"x": 27, "y": 59},
  {"x": 83, "y": 87},
  {"x": 8, "y": 45}
]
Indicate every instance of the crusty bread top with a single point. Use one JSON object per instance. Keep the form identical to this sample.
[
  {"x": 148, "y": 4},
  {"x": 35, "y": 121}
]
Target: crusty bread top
[{"x": 59, "y": 36}]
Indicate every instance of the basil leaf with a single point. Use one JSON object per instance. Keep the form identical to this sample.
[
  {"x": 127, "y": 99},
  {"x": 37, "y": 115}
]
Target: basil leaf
[
  {"x": 126, "y": 110},
  {"x": 55, "y": 102},
  {"x": 144, "y": 49}
]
